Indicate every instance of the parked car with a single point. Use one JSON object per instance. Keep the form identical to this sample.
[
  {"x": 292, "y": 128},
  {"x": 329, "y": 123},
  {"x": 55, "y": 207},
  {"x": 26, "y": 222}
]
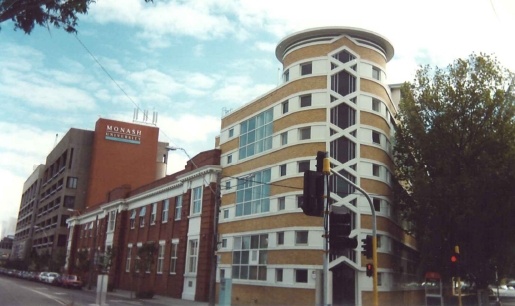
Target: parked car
[
  {"x": 51, "y": 277},
  {"x": 42, "y": 276},
  {"x": 71, "y": 281}
]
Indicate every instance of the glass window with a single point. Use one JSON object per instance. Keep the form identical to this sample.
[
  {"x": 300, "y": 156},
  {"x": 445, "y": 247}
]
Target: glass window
[
  {"x": 284, "y": 138},
  {"x": 377, "y": 204},
  {"x": 128, "y": 260},
  {"x": 281, "y": 203},
  {"x": 72, "y": 182},
  {"x": 303, "y": 166},
  {"x": 160, "y": 258},
  {"x": 301, "y": 275},
  {"x": 305, "y": 100},
  {"x": 253, "y": 193},
  {"x": 306, "y": 68},
  {"x": 153, "y": 216},
  {"x": 228, "y": 185},
  {"x": 285, "y": 107},
  {"x": 280, "y": 238},
  {"x": 375, "y": 170},
  {"x": 301, "y": 237},
  {"x": 300, "y": 200},
  {"x": 376, "y": 73},
  {"x": 231, "y": 132},
  {"x": 178, "y": 207},
  {"x": 305, "y": 133},
  {"x": 193, "y": 256},
  {"x": 133, "y": 218},
  {"x": 197, "y": 200},
  {"x": 166, "y": 208},
  {"x": 256, "y": 134},
  {"x": 142, "y": 214},
  {"x": 173, "y": 257},
  {"x": 229, "y": 159},
  {"x": 112, "y": 220},
  {"x": 376, "y": 137},
  {"x": 226, "y": 213},
  {"x": 279, "y": 275},
  {"x": 282, "y": 170},
  {"x": 286, "y": 75},
  {"x": 376, "y": 105},
  {"x": 249, "y": 257}
]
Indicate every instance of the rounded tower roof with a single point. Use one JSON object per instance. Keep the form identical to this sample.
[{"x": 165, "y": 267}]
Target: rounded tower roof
[{"x": 327, "y": 33}]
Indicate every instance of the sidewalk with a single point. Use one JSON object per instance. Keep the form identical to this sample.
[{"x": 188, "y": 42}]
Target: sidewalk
[{"x": 156, "y": 300}]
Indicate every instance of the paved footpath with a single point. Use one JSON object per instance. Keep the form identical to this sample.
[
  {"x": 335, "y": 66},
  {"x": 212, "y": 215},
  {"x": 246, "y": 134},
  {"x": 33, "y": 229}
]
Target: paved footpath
[{"x": 124, "y": 297}]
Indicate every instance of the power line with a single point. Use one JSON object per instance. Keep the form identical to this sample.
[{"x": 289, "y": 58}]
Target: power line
[{"x": 106, "y": 72}]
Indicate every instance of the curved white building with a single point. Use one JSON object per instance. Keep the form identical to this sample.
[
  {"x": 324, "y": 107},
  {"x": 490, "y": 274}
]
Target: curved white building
[{"x": 335, "y": 98}]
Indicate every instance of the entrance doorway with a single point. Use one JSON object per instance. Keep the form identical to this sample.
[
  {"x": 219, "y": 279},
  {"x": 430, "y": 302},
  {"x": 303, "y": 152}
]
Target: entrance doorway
[{"x": 344, "y": 285}]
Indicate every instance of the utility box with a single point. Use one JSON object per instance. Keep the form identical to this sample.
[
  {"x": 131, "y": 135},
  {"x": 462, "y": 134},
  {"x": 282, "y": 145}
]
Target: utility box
[{"x": 224, "y": 298}]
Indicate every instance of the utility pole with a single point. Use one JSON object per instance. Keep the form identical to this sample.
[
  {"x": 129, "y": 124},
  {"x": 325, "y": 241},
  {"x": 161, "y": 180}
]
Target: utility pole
[{"x": 212, "y": 281}]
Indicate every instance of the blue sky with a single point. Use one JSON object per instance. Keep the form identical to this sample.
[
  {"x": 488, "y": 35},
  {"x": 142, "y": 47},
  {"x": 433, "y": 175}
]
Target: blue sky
[{"x": 191, "y": 60}]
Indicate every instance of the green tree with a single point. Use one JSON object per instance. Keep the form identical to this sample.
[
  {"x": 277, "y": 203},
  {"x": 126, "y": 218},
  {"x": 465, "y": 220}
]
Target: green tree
[
  {"x": 27, "y": 13},
  {"x": 455, "y": 152}
]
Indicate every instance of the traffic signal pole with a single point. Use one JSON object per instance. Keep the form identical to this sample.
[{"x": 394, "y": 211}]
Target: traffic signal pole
[
  {"x": 326, "y": 171},
  {"x": 374, "y": 233}
]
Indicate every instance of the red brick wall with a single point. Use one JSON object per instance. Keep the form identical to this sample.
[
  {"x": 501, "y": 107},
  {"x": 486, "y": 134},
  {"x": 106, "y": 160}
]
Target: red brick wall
[{"x": 116, "y": 163}]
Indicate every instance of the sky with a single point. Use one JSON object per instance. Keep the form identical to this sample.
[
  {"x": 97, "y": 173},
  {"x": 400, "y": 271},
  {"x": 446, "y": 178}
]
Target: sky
[{"x": 192, "y": 61}]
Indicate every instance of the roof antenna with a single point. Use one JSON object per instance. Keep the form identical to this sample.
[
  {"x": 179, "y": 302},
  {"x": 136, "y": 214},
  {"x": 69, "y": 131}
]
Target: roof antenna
[{"x": 55, "y": 142}]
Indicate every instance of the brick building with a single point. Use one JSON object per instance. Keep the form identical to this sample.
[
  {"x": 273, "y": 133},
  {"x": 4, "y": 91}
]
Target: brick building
[{"x": 174, "y": 215}]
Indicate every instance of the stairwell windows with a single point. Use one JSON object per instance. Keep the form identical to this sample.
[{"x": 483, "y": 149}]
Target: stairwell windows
[
  {"x": 173, "y": 256},
  {"x": 253, "y": 193},
  {"x": 193, "y": 256},
  {"x": 306, "y": 68},
  {"x": 256, "y": 134}
]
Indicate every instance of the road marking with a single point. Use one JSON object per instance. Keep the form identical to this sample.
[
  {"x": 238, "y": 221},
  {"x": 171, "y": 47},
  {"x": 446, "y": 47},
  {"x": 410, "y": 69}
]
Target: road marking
[{"x": 50, "y": 297}]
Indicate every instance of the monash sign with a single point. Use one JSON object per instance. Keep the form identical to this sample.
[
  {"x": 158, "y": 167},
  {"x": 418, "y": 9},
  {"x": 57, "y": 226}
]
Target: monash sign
[{"x": 123, "y": 134}]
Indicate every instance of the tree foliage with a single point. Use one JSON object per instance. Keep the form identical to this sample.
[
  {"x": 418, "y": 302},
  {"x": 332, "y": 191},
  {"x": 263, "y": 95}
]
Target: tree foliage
[
  {"x": 28, "y": 13},
  {"x": 455, "y": 150}
]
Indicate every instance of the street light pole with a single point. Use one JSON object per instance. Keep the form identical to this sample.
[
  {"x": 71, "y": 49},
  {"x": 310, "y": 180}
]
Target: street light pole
[{"x": 374, "y": 236}]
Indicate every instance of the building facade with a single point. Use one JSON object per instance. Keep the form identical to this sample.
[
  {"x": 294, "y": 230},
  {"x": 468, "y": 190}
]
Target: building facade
[
  {"x": 334, "y": 98},
  {"x": 172, "y": 217},
  {"x": 26, "y": 215},
  {"x": 79, "y": 173}
]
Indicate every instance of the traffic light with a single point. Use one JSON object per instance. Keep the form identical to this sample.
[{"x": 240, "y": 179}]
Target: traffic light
[
  {"x": 370, "y": 269},
  {"x": 320, "y": 160},
  {"x": 340, "y": 227},
  {"x": 313, "y": 194},
  {"x": 366, "y": 246},
  {"x": 455, "y": 262}
]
